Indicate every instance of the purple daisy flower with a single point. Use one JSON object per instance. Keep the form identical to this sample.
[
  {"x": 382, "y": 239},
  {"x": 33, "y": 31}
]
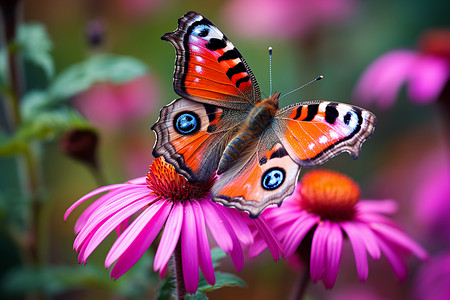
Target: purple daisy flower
[
  {"x": 165, "y": 201},
  {"x": 426, "y": 72},
  {"x": 323, "y": 211}
]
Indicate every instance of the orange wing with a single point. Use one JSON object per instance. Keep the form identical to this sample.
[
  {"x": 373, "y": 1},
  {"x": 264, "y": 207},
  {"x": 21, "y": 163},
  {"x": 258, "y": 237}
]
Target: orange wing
[
  {"x": 261, "y": 178},
  {"x": 314, "y": 132},
  {"x": 191, "y": 136},
  {"x": 208, "y": 68}
]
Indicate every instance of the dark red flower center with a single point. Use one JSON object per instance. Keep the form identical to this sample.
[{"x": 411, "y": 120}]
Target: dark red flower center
[
  {"x": 329, "y": 194},
  {"x": 165, "y": 182}
]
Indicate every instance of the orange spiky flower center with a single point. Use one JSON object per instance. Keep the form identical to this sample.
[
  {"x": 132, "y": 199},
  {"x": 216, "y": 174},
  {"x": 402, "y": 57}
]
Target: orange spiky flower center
[
  {"x": 165, "y": 182},
  {"x": 329, "y": 194}
]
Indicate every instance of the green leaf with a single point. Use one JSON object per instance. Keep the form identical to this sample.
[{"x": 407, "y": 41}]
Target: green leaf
[
  {"x": 167, "y": 290},
  {"x": 35, "y": 46},
  {"x": 217, "y": 254},
  {"x": 33, "y": 103},
  {"x": 197, "y": 296},
  {"x": 222, "y": 280},
  {"x": 55, "y": 280},
  {"x": 104, "y": 67},
  {"x": 136, "y": 282},
  {"x": 44, "y": 126}
]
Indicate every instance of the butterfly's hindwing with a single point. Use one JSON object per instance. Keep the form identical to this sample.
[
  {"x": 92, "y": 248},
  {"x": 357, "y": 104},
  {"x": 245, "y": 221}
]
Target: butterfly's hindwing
[
  {"x": 259, "y": 178},
  {"x": 314, "y": 132},
  {"x": 208, "y": 68},
  {"x": 191, "y": 136}
]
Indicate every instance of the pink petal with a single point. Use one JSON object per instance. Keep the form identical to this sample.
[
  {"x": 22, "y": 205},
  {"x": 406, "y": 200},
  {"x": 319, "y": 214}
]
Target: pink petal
[
  {"x": 256, "y": 248},
  {"x": 189, "y": 249},
  {"x": 269, "y": 237},
  {"x": 287, "y": 216},
  {"x": 138, "y": 238},
  {"x": 86, "y": 214},
  {"x": 106, "y": 228},
  {"x": 394, "y": 259},
  {"x": 297, "y": 232},
  {"x": 217, "y": 226},
  {"x": 260, "y": 245},
  {"x": 334, "y": 251},
  {"x": 89, "y": 195},
  {"x": 383, "y": 79},
  {"x": 377, "y": 206},
  {"x": 204, "y": 252},
  {"x": 122, "y": 226},
  {"x": 236, "y": 219},
  {"x": 359, "y": 249},
  {"x": 236, "y": 254},
  {"x": 318, "y": 251},
  {"x": 370, "y": 241},
  {"x": 112, "y": 208},
  {"x": 163, "y": 271},
  {"x": 83, "y": 242},
  {"x": 140, "y": 181},
  {"x": 397, "y": 237},
  {"x": 369, "y": 218},
  {"x": 134, "y": 231},
  {"x": 113, "y": 200},
  {"x": 169, "y": 237},
  {"x": 428, "y": 79},
  {"x": 81, "y": 250}
]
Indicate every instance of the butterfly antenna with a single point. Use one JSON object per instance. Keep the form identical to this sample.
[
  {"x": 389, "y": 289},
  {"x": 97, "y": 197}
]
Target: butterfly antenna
[
  {"x": 270, "y": 71},
  {"x": 308, "y": 83}
]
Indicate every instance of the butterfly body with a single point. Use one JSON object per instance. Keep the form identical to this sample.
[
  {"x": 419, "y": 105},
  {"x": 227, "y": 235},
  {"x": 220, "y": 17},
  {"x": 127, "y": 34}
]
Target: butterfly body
[
  {"x": 259, "y": 119},
  {"x": 222, "y": 125}
]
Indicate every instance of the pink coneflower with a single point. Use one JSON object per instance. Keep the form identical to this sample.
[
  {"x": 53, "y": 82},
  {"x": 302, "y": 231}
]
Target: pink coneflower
[
  {"x": 164, "y": 201},
  {"x": 111, "y": 106},
  {"x": 425, "y": 72},
  {"x": 432, "y": 198},
  {"x": 323, "y": 211},
  {"x": 291, "y": 19}
]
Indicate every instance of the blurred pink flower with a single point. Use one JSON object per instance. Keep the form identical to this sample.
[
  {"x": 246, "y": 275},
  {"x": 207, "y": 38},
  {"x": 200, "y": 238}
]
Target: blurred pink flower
[
  {"x": 111, "y": 106},
  {"x": 425, "y": 72},
  {"x": 432, "y": 280},
  {"x": 326, "y": 206},
  {"x": 164, "y": 201},
  {"x": 284, "y": 18},
  {"x": 432, "y": 201}
]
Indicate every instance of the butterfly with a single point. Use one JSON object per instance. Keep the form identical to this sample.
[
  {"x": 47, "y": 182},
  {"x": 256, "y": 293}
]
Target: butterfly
[{"x": 222, "y": 125}]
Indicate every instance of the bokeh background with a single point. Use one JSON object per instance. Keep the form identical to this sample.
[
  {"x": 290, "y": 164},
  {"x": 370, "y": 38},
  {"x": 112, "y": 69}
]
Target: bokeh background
[{"x": 407, "y": 159}]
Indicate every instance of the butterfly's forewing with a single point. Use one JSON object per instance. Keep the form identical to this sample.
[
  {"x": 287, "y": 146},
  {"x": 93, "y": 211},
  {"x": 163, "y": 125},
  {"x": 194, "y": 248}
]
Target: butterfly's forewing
[
  {"x": 210, "y": 71},
  {"x": 313, "y": 132},
  {"x": 263, "y": 176},
  {"x": 208, "y": 68},
  {"x": 191, "y": 136}
]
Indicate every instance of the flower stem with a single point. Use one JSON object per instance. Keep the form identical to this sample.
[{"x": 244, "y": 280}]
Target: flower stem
[
  {"x": 299, "y": 289},
  {"x": 179, "y": 280},
  {"x": 98, "y": 175},
  {"x": 10, "y": 15},
  {"x": 31, "y": 241}
]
